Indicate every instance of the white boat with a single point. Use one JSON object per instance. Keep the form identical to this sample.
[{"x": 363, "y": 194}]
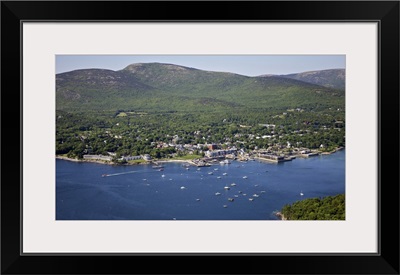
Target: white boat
[
  {"x": 233, "y": 184},
  {"x": 217, "y": 194},
  {"x": 251, "y": 199},
  {"x": 301, "y": 194},
  {"x": 245, "y": 177},
  {"x": 224, "y": 174},
  {"x": 210, "y": 173},
  {"x": 255, "y": 195},
  {"x": 163, "y": 176},
  {"x": 183, "y": 187},
  {"x": 227, "y": 188},
  {"x": 218, "y": 177}
]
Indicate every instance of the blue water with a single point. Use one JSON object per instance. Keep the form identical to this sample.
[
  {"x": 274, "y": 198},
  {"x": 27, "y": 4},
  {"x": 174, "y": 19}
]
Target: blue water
[{"x": 141, "y": 193}]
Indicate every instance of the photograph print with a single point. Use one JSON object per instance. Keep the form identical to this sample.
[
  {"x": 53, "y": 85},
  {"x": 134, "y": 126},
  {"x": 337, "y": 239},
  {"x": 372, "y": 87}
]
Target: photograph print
[{"x": 200, "y": 137}]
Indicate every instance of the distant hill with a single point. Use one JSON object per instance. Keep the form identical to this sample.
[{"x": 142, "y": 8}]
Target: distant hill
[
  {"x": 334, "y": 78},
  {"x": 163, "y": 87}
]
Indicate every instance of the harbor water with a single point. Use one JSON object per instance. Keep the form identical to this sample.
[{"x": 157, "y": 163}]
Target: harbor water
[{"x": 250, "y": 190}]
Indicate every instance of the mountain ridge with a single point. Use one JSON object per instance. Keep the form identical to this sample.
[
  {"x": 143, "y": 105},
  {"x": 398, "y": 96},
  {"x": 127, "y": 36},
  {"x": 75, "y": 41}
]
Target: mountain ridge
[
  {"x": 331, "y": 78},
  {"x": 165, "y": 87}
]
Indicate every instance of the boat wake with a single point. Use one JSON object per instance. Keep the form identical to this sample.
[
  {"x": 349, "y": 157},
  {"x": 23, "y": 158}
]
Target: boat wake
[{"x": 117, "y": 174}]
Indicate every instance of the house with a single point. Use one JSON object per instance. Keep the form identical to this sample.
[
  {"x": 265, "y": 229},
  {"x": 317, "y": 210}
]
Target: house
[{"x": 127, "y": 158}]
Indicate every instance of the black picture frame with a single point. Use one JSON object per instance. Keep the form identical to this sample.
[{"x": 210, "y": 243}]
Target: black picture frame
[{"x": 386, "y": 13}]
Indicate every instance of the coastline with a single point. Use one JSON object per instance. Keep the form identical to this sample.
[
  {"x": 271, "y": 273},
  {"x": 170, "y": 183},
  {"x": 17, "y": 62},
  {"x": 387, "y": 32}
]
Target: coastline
[
  {"x": 85, "y": 160},
  {"x": 333, "y": 151},
  {"x": 112, "y": 163},
  {"x": 281, "y": 216},
  {"x": 165, "y": 160}
]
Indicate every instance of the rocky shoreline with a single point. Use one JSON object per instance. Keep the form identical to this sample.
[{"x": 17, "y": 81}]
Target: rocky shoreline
[{"x": 281, "y": 216}]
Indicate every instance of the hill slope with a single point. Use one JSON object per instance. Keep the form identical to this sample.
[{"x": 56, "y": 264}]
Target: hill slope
[
  {"x": 161, "y": 87},
  {"x": 334, "y": 78}
]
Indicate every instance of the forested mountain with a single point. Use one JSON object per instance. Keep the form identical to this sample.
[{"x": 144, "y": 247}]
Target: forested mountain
[
  {"x": 158, "y": 87},
  {"x": 334, "y": 78},
  {"x": 133, "y": 110}
]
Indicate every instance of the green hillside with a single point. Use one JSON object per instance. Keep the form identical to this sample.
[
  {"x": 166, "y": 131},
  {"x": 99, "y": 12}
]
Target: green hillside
[
  {"x": 147, "y": 105},
  {"x": 157, "y": 87},
  {"x": 334, "y": 78}
]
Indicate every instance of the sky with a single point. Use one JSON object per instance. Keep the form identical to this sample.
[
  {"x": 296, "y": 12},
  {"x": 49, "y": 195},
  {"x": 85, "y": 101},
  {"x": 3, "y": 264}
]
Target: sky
[{"x": 250, "y": 65}]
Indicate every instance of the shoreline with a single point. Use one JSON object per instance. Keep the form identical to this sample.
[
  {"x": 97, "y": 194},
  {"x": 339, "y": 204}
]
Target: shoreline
[
  {"x": 117, "y": 164},
  {"x": 161, "y": 161},
  {"x": 333, "y": 151},
  {"x": 281, "y": 216},
  {"x": 85, "y": 160}
]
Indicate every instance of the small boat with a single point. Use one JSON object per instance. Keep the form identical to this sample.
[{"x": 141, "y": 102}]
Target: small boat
[
  {"x": 218, "y": 177},
  {"x": 301, "y": 194},
  {"x": 197, "y": 199},
  {"x": 161, "y": 169},
  {"x": 217, "y": 194},
  {"x": 245, "y": 177},
  {"x": 198, "y": 169},
  {"x": 255, "y": 195},
  {"x": 104, "y": 175},
  {"x": 227, "y": 188},
  {"x": 230, "y": 199},
  {"x": 233, "y": 184},
  {"x": 215, "y": 169},
  {"x": 262, "y": 191},
  {"x": 251, "y": 199},
  {"x": 225, "y": 206},
  {"x": 157, "y": 166},
  {"x": 224, "y": 174},
  {"x": 183, "y": 187},
  {"x": 236, "y": 196},
  {"x": 210, "y": 173},
  {"x": 163, "y": 175}
]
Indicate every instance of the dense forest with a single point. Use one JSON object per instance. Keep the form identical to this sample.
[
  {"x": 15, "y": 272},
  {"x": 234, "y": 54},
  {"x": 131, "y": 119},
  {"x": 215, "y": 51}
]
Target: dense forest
[{"x": 327, "y": 208}]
